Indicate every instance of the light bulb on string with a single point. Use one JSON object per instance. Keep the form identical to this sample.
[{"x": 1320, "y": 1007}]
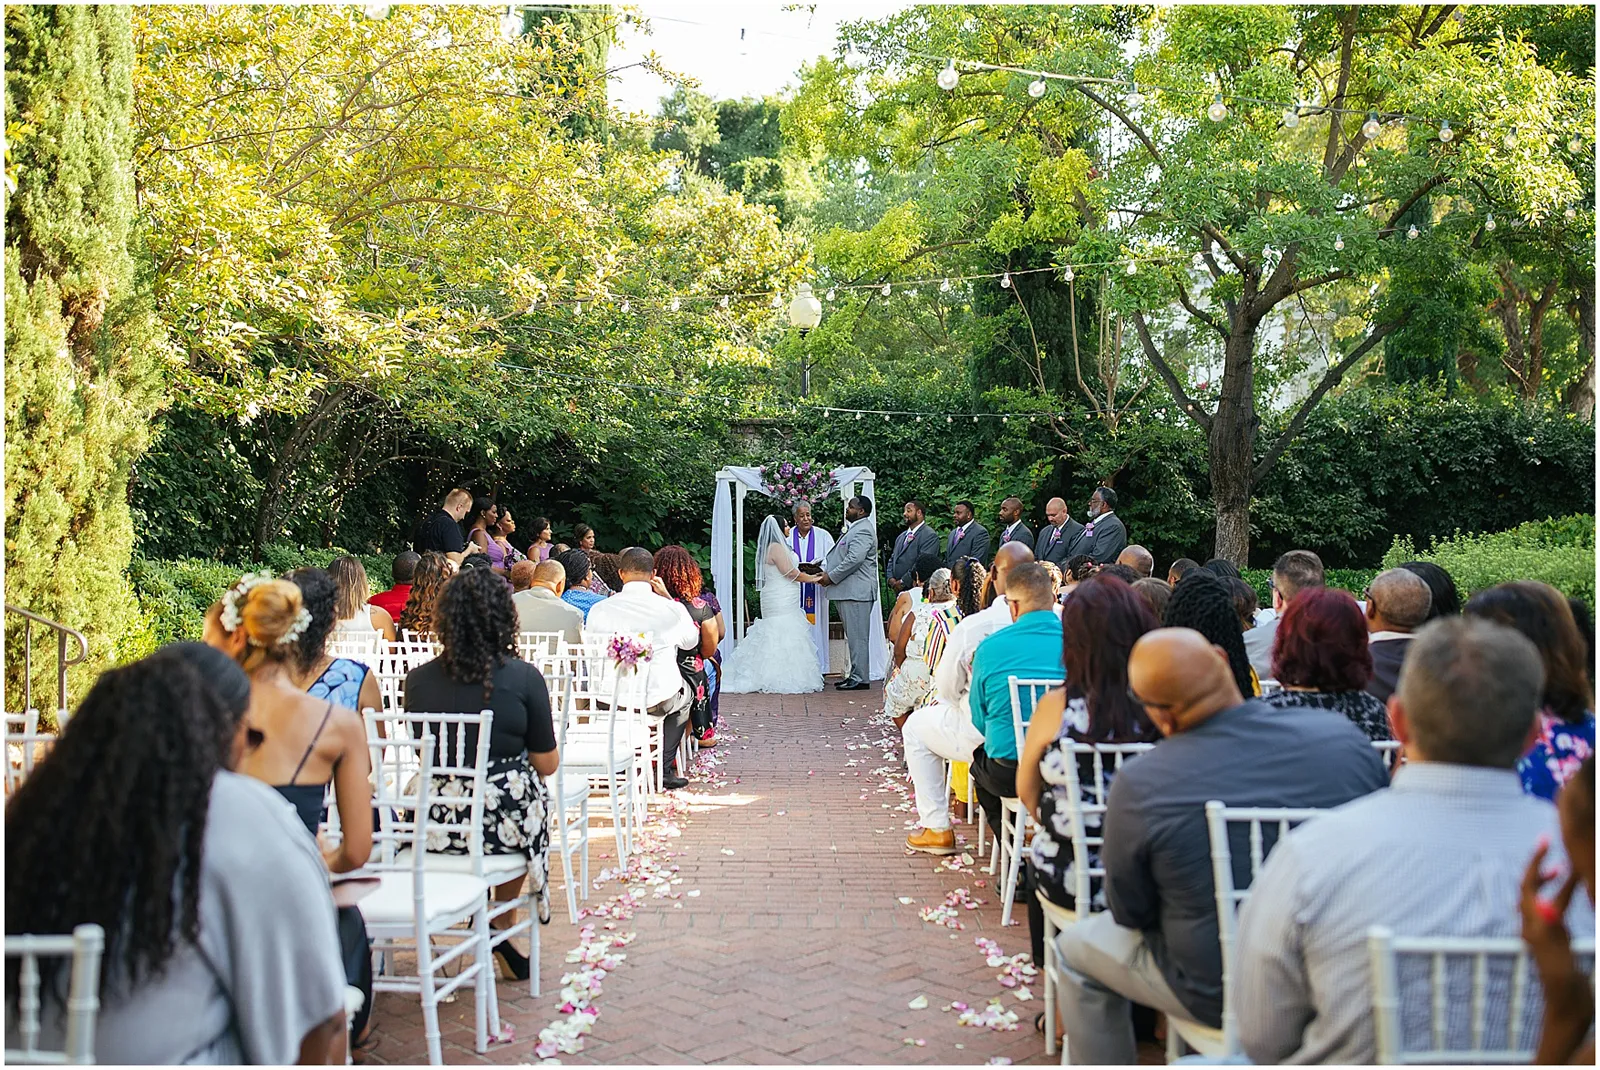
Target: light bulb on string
[
  {"x": 858, "y": 416},
  {"x": 625, "y": 305},
  {"x": 1133, "y": 268},
  {"x": 1510, "y": 140},
  {"x": 724, "y": 301},
  {"x": 1446, "y": 134},
  {"x": 944, "y": 286},
  {"x": 511, "y": 24},
  {"x": 887, "y": 290},
  {"x": 1068, "y": 275},
  {"x": 676, "y": 304},
  {"x": 1338, "y": 243},
  {"x": 1291, "y": 118},
  {"x": 1005, "y": 419},
  {"x": 1570, "y": 214},
  {"x": 1371, "y": 128},
  {"x": 949, "y": 77},
  {"x": 947, "y": 419},
  {"x": 919, "y": 419},
  {"x": 974, "y": 419},
  {"x": 832, "y": 293},
  {"x": 577, "y": 309},
  {"x": 1005, "y": 281},
  {"x": 1488, "y": 223},
  {"x": 777, "y": 302},
  {"x": 1218, "y": 110},
  {"x": 1134, "y": 98},
  {"x": 1037, "y": 88},
  {"x": 376, "y": 11},
  {"x": 885, "y": 417},
  {"x": 1575, "y": 146},
  {"x": 1412, "y": 232}
]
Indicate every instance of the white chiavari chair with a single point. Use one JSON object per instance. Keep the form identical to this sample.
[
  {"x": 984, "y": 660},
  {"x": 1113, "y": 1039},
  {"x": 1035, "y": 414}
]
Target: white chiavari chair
[
  {"x": 84, "y": 948},
  {"x": 27, "y": 745},
  {"x": 1014, "y": 819},
  {"x": 570, "y": 790},
  {"x": 533, "y": 645},
  {"x": 606, "y": 739}
]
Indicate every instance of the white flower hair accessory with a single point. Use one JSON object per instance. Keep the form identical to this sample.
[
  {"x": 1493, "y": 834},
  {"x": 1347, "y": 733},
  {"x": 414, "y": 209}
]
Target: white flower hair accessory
[{"x": 234, "y": 597}]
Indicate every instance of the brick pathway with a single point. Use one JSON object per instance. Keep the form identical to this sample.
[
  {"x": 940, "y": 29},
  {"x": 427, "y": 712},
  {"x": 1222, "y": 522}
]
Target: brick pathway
[{"x": 797, "y": 947}]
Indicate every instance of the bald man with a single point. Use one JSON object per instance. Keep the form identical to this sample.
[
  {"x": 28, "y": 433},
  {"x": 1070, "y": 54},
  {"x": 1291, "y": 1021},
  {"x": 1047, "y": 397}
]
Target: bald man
[
  {"x": 943, "y": 730},
  {"x": 540, "y": 608},
  {"x": 1139, "y": 559},
  {"x": 1157, "y": 943},
  {"x": 1398, "y": 602},
  {"x": 1056, "y": 540},
  {"x": 1012, "y": 529}
]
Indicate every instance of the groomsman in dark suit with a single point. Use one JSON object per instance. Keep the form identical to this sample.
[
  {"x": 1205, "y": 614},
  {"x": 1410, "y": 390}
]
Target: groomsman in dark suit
[
  {"x": 910, "y": 546},
  {"x": 1104, "y": 536},
  {"x": 1058, "y": 538},
  {"x": 969, "y": 539},
  {"x": 1014, "y": 530}
]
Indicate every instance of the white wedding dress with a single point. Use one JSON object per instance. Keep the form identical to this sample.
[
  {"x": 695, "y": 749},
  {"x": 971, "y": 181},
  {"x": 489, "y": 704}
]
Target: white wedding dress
[{"x": 777, "y": 655}]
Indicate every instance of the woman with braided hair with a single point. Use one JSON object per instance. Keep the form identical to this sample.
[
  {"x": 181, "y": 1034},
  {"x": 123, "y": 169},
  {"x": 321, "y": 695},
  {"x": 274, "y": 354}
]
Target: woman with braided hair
[
  {"x": 343, "y": 681},
  {"x": 1202, "y": 600},
  {"x": 478, "y": 668},
  {"x": 416, "y": 619},
  {"x": 219, "y": 926}
]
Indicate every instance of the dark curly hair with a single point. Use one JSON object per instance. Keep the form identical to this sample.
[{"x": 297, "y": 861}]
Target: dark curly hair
[
  {"x": 605, "y": 566},
  {"x": 1099, "y": 625},
  {"x": 970, "y": 575},
  {"x": 110, "y": 828},
  {"x": 433, "y": 571},
  {"x": 679, "y": 571},
  {"x": 1079, "y": 567},
  {"x": 1202, "y": 600},
  {"x": 477, "y": 626},
  {"x": 319, "y": 594}
]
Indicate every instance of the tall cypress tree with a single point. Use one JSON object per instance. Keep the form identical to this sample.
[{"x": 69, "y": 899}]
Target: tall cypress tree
[{"x": 80, "y": 362}]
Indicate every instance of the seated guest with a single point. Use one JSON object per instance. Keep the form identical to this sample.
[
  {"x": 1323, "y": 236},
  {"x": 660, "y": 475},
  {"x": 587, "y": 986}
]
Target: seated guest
[
  {"x": 1139, "y": 559},
  {"x": 1157, "y": 944},
  {"x": 1029, "y": 649},
  {"x": 1397, "y": 605},
  {"x": 540, "y": 608},
  {"x": 393, "y": 601},
  {"x": 1293, "y": 572},
  {"x": 680, "y": 574},
  {"x": 1078, "y": 568},
  {"x": 643, "y": 607},
  {"x": 1156, "y": 593},
  {"x": 478, "y": 668},
  {"x": 1181, "y": 568},
  {"x": 909, "y": 599},
  {"x": 911, "y": 680},
  {"x": 343, "y": 681},
  {"x": 309, "y": 741},
  {"x": 416, "y": 620},
  {"x": 220, "y": 945},
  {"x": 1321, "y": 660},
  {"x": 1566, "y": 712},
  {"x": 578, "y": 594},
  {"x": 1204, "y": 602},
  {"x": 1054, "y": 571},
  {"x": 1222, "y": 568},
  {"x": 606, "y": 579},
  {"x": 1567, "y": 1034},
  {"x": 1456, "y": 823},
  {"x": 1099, "y": 627},
  {"x": 521, "y": 576},
  {"x": 944, "y": 730},
  {"x": 1245, "y": 603},
  {"x": 1122, "y": 572},
  {"x": 1445, "y": 601},
  {"x": 355, "y": 617}
]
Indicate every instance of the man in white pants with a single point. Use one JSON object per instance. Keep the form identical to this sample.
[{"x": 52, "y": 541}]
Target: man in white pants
[{"x": 943, "y": 730}]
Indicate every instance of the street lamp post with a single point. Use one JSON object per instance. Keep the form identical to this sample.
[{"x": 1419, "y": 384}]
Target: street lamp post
[{"x": 805, "y": 312}]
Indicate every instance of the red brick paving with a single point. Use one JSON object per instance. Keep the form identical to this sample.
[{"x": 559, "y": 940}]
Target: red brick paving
[{"x": 797, "y": 949}]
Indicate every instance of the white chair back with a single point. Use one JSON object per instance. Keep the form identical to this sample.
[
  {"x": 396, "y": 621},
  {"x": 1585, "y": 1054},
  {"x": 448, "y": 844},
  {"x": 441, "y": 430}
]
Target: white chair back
[
  {"x": 1470, "y": 999},
  {"x": 411, "y": 650},
  {"x": 84, "y": 947},
  {"x": 1230, "y": 893},
  {"x": 1025, "y": 695},
  {"x": 456, "y": 754},
  {"x": 26, "y": 745},
  {"x": 1106, "y": 760},
  {"x": 1391, "y": 751},
  {"x": 402, "y": 791},
  {"x": 532, "y": 644},
  {"x": 367, "y": 650}
]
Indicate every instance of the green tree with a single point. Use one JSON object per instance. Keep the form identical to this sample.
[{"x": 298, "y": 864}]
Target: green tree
[{"x": 81, "y": 343}]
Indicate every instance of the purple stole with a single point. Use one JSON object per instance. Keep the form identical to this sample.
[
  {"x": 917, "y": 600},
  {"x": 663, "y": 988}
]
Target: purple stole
[{"x": 808, "y": 591}]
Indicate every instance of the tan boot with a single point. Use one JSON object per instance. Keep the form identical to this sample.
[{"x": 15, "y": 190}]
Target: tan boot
[{"x": 933, "y": 841}]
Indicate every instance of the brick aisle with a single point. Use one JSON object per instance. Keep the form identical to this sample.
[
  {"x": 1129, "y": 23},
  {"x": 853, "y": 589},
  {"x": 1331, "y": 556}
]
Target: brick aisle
[{"x": 797, "y": 948}]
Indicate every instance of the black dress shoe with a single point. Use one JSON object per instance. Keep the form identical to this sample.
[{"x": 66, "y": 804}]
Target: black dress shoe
[
  {"x": 672, "y": 783},
  {"x": 516, "y": 962},
  {"x": 861, "y": 685}
]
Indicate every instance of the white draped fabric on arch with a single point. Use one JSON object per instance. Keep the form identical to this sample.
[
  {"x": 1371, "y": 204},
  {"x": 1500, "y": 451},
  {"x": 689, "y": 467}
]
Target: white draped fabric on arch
[{"x": 734, "y": 483}]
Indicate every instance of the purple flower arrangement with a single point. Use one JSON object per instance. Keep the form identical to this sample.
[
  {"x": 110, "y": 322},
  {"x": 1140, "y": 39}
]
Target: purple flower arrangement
[
  {"x": 794, "y": 481},
  {"x": 628, "y": 650}
]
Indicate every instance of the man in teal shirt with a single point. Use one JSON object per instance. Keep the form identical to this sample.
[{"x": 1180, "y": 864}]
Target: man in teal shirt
[{"x": 1030, "y": 649}]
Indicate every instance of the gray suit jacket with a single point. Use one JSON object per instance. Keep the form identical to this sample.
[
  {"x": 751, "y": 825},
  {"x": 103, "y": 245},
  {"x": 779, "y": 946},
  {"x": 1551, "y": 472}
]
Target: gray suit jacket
[
  {"x": 1044, "y": 549},
  {"x": 1023, "y": 535},
  {"x": 852, "y": 564},
  {"x": 1110, "y": 538},
  {"x": 975, "y": 543},
  {"x": 903, "y": 559}
]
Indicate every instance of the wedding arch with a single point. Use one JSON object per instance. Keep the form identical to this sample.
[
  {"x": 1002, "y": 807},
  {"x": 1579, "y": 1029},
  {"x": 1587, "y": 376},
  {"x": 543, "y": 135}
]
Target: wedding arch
[{"x": 734, "y": 484}]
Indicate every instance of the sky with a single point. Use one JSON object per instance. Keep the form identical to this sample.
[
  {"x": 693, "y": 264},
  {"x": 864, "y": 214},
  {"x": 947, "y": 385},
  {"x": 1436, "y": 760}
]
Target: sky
[{"x": 733, "y": 49}]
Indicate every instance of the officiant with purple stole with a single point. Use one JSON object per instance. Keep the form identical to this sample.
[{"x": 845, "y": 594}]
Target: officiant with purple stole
[{"x": 810, "y": 545}]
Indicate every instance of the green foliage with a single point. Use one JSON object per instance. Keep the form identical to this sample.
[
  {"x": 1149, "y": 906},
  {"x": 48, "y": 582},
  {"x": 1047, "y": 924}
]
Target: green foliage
[
  {"x": 1354, "y": 580},
  {"x": 80, "y": 342},
  {"x": 1558, "y": 551}
]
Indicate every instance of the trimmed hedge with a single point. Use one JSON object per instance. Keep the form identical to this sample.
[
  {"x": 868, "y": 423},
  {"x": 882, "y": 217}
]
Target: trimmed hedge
[{"x": 1558, "y": 551}]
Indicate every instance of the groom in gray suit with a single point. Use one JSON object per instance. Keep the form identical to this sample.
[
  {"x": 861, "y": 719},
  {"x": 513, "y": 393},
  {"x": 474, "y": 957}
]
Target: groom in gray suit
[{"x": 850, "y": 573}]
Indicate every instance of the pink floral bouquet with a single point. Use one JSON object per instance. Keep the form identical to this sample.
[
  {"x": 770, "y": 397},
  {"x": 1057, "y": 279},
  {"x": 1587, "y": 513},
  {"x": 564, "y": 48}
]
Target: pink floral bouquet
[
  {"x": 628, "y": 650},
  {"x": 796, "y": 481}
]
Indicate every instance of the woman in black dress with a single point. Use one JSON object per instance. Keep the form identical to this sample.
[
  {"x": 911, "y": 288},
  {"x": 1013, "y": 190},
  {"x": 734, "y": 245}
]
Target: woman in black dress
[{"x": 478, "y": 668}]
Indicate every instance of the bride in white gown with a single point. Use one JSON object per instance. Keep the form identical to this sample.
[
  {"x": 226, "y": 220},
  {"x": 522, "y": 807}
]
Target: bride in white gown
[{"x": 776, "y": 655}]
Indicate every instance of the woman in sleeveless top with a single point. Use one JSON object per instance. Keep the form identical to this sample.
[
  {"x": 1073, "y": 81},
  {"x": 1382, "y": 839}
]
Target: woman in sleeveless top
[
  {"x": 913, "y": 680},
  {"x": 484, "y": 516},
  {"x": 354, "y": 617}
]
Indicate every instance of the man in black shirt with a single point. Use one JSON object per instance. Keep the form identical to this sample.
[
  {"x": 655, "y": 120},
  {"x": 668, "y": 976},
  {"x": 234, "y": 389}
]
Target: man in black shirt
[{"x": 442, "y": 533}]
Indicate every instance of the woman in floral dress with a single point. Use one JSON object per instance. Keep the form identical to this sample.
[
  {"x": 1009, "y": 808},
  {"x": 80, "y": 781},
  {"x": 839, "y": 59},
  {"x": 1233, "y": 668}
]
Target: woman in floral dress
[{"x": 681, "y": 574}]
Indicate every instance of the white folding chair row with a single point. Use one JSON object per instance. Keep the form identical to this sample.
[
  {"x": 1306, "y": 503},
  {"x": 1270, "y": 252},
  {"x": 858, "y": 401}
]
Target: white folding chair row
[
  {"x": 607, "y": 739},
  {"x": 414, "y": 905},
  {"x": 1464, "y": 982},
  {"x": 27, "y": 745},
  {"x": 571, "y": 790},
  {"x": 1014, "y": 819},
  {"x": 84, "y": 948},
  {"x": 1105, "y": 760},
  {"x": 533, "y": 645},
  {"x": 411, "y": 650},
  {"x": 371, "y": 651}
]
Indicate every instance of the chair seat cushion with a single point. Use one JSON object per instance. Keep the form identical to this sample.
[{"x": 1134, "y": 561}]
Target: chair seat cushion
[
  {"x": 497, "y": 868},
  {"x": 582, "y": 754},
  {"x": 577, "y": 789},
  {"x": 445, "y": 894}
]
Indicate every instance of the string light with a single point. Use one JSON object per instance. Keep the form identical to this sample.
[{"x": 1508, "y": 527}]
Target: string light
[
  {"x": 1036, "y": 88},
  {"x": 947, "y": 419},
  {"x": 1411, "y": 234},
  {"x": 1067, "y": 275},
  {"x": 1370, "y": 129},
  {"x": 1446, "y": 134},
  {"x": 777, "y": 302},
  {"x": 1132, "y": 268},
  {"x": 858, "y": 415},
  {"x": 724, "y": 301},
  {"x": 1570, "y": 214},
  {"x": 1005, "y": 281},
  {"x": 1575, "y": 146},
  {"x": 1134, "y": 98},
  {"x": 676, "y": 304},
  {"x": 577, "y": 309},
  {"x": 974, "y": 419},
  {"x": 832, "y": 293},
  {"x": 1291, "y": 118},
  {"x": 1488, "y": 224},
  {"x": 1510, "y": 140},
  {"x": 511, "y": 24},
  {"x": 887, "y": 289},
  {"x": 624, "y": 304},
  {"x": 376, "y": 11},
  {"x": 949, "y": 77},
  {"x": 1218, "y": 110},
  {"x": 1338, "y": 243},
  {"x": 944, "y": 286}
]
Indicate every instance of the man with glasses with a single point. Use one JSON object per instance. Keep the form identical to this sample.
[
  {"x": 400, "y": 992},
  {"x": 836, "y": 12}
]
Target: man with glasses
[
  {"x": 1292, "y": 573},
  {"x": 1157, "y": 943}
]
